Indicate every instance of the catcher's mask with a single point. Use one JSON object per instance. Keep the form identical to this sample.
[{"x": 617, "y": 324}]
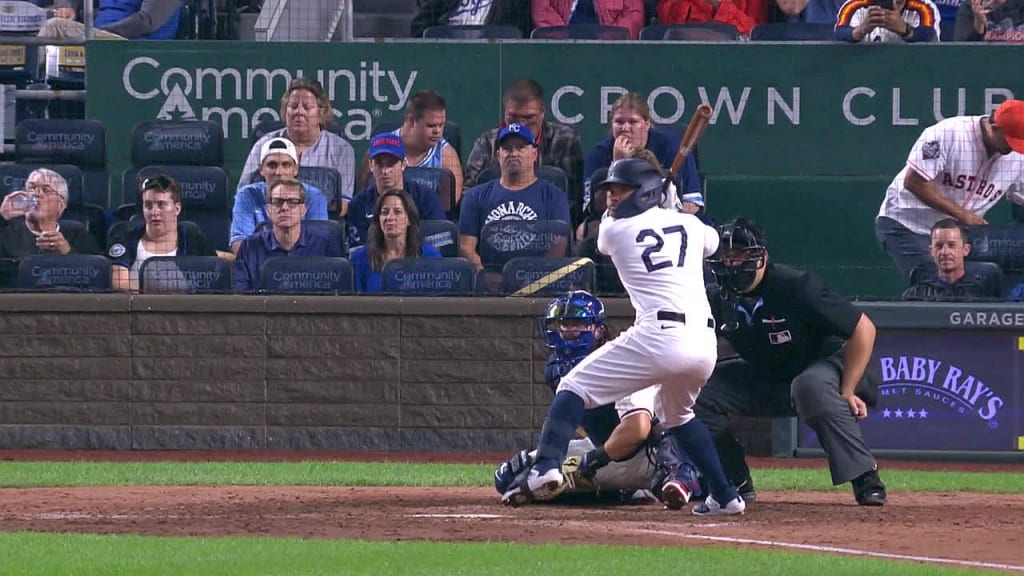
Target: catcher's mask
[
  {"x": 741, "y": 253},
  {"x": 573, "y": 323},
  {"x": 643, "y": 177}
]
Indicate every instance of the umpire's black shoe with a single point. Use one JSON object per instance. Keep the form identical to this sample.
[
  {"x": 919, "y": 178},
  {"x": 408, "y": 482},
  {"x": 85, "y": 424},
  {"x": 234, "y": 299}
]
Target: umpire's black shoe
[
  {"x": 869, "y": 489},
  {"x": 746, "y": 490}
]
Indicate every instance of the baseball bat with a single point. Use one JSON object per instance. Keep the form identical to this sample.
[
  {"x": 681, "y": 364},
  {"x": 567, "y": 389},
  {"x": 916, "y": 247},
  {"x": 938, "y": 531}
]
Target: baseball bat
[{"x": 694, "y": 130}]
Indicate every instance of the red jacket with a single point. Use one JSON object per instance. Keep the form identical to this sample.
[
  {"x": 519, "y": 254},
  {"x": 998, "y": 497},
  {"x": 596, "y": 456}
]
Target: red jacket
[
  {"x": 628, "y": 14},
  {"x": 743, "y": 14}
]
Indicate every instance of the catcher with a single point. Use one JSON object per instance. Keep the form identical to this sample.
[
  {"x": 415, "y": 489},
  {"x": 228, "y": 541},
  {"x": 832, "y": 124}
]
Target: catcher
[{"x": 622, "y": 451}]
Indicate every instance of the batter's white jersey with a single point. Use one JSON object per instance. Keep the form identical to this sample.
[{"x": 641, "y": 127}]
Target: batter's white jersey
[
  {"x": 952, "y": 155},
  {"x": 659, "y": 256}
]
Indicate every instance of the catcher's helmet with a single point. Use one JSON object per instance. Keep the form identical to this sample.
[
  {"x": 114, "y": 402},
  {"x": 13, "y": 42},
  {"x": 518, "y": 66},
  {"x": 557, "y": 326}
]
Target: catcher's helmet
[
  {"x": 741, "y": 253},
  {"x": 639, "y": 174},
  {"x": 578, "y": 305}
]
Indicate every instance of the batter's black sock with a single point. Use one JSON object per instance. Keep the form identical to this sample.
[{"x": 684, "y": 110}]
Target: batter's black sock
[
  {"x": 695, "y": 440},
  {"x": 565, "y": 415}
]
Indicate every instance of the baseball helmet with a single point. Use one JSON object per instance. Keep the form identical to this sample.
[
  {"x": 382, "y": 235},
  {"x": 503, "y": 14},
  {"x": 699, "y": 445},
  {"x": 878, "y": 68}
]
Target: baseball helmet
[
  {"x": 576, "y": 305},
  {"x": 741, "y": 252},
  {"x": 641, "y": 175}
]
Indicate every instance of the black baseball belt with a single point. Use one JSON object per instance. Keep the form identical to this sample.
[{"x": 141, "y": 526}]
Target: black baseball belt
[{"x": 680, "y": 317}]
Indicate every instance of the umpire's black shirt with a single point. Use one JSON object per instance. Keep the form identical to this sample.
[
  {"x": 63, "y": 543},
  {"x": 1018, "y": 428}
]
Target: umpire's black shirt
[{"x": 788, "y": 322}]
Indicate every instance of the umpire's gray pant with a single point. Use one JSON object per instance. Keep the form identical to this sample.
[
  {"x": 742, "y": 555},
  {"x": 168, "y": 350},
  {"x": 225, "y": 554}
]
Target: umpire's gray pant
[{"x": 736, "y": 387}]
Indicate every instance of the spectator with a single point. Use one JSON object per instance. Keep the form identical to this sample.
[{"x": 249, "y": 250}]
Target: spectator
[
  {"x": 387, "y": 163},
  {"x": 307, "y": 113},
  {"x": 517, "y": 195},
  {"x": 815, "y": 11},
  {"x": 990, "y": 21},
  {"x": 278, "y": 161},
  {"x": 422, "y": 135},
  {"x": 128, "y": 247},
  {"x": 959, "y": 167},
  {"x": 607, "y": 279},
  {"x": 743, "y": 14},
  {"x": 394, "y": 234},
  {"x": 949, "y": 248},
  {"x": 631, "y": 131},
  {"x": 628, "y": 14},
  {"x": 514, "y": 13},
  {"x": 892, "y": 21},
  {"x": 558, "y": 144},
  {"x": 33, "y": 220},
  {"x": 117, "y": 19},
  {"x": 286, "y": 236}
]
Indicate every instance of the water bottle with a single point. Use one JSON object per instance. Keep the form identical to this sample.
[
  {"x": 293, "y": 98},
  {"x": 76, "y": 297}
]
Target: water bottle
[{"x": 23, "y": 201}]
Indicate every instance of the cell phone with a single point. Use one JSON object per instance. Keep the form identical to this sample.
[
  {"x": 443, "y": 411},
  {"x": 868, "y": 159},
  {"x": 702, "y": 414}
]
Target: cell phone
[{"x": 887, "y": 4}]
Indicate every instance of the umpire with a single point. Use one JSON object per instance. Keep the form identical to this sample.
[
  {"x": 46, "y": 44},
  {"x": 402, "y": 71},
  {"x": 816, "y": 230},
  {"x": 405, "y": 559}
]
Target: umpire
[{"x": 803, "y": 350}]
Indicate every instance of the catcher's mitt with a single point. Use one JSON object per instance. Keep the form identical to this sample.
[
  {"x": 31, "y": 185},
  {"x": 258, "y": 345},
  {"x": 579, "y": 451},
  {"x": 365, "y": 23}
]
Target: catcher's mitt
[{"x": 575, "y": 478}]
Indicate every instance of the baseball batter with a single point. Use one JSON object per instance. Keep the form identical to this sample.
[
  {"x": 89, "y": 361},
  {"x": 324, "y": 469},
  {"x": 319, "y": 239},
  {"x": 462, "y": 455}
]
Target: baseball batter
[
  {"x": 622, "y": 450},
  {"x": 659, "y": 254},
  {"x": 959, "y": 167}
]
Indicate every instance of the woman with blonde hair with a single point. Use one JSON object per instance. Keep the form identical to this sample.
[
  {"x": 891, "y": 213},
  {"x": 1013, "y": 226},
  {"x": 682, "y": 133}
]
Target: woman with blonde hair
[{"x": 394, "y": 233}]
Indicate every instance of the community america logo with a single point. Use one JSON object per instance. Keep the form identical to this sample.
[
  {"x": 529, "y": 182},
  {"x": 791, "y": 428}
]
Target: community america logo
[{"x": 916, "y": 387}]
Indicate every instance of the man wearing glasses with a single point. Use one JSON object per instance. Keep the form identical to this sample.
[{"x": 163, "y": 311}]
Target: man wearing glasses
[
  {"x": 33, "y": 220},
  {"x": 278, "y": 160},
  {"x": 285, "y": 237}
]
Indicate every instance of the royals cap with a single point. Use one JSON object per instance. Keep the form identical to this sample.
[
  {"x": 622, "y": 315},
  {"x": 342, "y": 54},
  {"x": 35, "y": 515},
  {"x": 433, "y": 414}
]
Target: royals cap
[{"x": 519, "y": 130}]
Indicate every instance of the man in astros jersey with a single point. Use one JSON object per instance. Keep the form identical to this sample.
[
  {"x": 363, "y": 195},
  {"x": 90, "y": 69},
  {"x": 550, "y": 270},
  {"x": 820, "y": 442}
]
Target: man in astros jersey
[{"x": 958, "y": 168}]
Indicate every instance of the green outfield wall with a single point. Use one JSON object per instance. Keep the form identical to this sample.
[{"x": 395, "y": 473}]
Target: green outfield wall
[{"x": 792, "y": 123}]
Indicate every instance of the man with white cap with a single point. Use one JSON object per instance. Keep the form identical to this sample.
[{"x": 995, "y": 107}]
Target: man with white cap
[{"x": 278, "y": 161}]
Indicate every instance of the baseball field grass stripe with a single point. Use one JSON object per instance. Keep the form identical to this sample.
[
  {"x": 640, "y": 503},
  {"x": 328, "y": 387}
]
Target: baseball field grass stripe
[
  {"x": 552, "y": 277},
  {"x": 40, "y": 554},
  {"x": 46, "y": 474}
]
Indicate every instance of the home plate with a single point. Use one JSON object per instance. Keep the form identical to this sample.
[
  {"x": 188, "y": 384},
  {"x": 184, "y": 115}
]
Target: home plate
[{"x": 462, "y": 516}]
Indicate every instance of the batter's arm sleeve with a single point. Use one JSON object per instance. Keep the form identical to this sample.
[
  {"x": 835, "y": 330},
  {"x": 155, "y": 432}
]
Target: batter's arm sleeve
[{"x": 711, "y": 241}]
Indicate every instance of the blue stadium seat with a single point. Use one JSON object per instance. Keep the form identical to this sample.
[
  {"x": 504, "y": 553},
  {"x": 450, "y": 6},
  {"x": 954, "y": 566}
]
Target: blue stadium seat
[
  {"x": 428, "y": 276},
  {"x": 697, "y": 32},
  {"x": 71, "y": 273},
  {"x": 263, "y": 128},
  {"x": 489, "y": 282},
  {"x": 333, "y": 230},
  {"x": 182, "y": 142},
  {"x": 185, "y": 275},
  {"x": 548, "y": 276},
  {"x": 503, "y": 240},
  {"x": 792, "y": 32},
  {"x": 440, "y": 180},
  {"x": 441, "y": 234},
  {"x": 328, "y": 180},
  {"x": 82, "y": 143},
  {"x": 580, "y": 32},
  {"x": 1002, "y": 245},
  {"x": 485, "y": 32},
  {"x": 8, "y": 273},
  {"x": 306, "y": 275},
  {"x": 946, "y": 30}
]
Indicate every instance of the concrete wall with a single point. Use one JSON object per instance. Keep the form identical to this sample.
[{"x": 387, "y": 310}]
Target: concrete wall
[{"x": 343, "y": 373}]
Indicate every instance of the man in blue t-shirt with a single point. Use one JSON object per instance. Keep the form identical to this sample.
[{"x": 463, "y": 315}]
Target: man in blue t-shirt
[
  {"x": 133, "y": 19},
  {"x": 517, "y": 196},
  {"x": 631, "y": 131},
  {"x": 387, "y": 164}
]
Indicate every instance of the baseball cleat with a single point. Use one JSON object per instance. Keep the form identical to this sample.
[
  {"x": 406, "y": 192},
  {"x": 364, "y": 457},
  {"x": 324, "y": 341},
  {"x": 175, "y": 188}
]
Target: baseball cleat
[
  {"x": 545, "y": 484},
  {"x": 675, "y": 494},
  {"x": 711, "y": 507}
]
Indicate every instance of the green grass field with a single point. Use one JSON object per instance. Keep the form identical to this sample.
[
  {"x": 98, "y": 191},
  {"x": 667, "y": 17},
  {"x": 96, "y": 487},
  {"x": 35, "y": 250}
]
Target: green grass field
[{"x": 61, "y": 554}]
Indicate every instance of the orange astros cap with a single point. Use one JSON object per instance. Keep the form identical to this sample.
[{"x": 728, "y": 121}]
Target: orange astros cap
[{"x": 1010, "y": 118}]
